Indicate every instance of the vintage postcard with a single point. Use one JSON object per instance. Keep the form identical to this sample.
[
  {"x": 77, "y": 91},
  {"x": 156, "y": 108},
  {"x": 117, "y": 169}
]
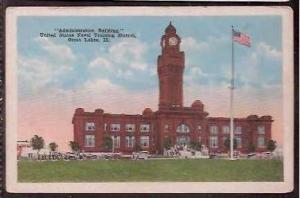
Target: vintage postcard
[{"x": 149, "y": 99}]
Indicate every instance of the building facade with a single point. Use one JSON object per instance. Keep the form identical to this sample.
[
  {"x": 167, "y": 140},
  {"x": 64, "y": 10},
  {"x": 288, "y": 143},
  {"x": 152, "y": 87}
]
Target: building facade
[{"x": 179, "y": 124}]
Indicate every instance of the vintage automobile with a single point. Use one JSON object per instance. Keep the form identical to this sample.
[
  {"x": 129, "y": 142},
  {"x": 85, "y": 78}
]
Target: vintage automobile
[
  {"x": 140, "y": 155},
  {"x": 143, "y": 155},
  {"x": 70, "y": 156}
]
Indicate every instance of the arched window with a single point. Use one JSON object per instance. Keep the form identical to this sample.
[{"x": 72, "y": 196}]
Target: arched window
[{"x": 183, "y": 128}]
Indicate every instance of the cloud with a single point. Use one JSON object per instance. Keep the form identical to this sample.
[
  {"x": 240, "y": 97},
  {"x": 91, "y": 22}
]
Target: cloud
[
  {"x": 125, "y": 73},
  {"x": 268, "y": 51},
  {"x": 254, "y": 68},
  {"x": 197, "y": 71},
  {"x": 38, "y": 72},
  {"x": 122, "y": 60},
  {"x": 34, "y": 74},
  {"x": 138, "y": 65},
  {"x": 57, "y": 51},
  {"x": 130, "y": 52},
  {"x": 102, "y": 85},
  {"x": 100, "y": 62},
  {"x": 191, "y": 44}
]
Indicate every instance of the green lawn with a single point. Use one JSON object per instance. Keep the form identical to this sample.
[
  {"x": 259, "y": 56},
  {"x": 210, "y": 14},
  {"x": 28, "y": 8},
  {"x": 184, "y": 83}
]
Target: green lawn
[{"x": 150, "y": 170}]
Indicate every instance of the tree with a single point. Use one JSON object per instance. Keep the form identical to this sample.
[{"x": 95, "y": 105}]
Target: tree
[
  {"x": 74, "y": 146},
  {"x": 53, "y": 146},
  {"x": 107, "y": 143},
  {"x": 195, "y": 145},
  {"x": 167, "y": 143},
  {"x": 227, "y": 143},
  {"x": 271, "y": 146},
  {"x": 37, "y": 142},
  {"x": 251, "y": 148}
]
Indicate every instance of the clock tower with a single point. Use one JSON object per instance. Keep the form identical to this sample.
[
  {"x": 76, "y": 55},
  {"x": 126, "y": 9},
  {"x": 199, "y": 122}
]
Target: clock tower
[{"x": 170, "y": 68}]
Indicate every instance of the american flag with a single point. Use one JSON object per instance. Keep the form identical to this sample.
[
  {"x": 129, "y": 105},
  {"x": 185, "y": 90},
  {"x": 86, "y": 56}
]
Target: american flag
[{"x": 241, "y": 38}]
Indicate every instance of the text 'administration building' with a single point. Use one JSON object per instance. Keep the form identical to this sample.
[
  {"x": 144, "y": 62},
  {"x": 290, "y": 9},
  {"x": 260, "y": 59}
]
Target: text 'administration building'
[{"x": 172, "y": 120}]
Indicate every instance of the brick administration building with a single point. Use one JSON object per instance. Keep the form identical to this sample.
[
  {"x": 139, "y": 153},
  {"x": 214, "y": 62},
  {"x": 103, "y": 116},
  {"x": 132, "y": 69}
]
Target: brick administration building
[{"x": 172, "y": 120}]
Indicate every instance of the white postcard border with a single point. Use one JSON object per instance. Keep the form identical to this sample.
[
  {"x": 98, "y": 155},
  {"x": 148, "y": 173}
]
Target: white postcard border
[{"x": 148, "y": 187}]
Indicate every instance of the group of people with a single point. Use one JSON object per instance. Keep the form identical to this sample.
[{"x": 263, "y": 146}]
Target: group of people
[
  {"x": 71, "y": 156},
  {"x": 180, "y": 150},
  {"x": 45, "y": 156}
]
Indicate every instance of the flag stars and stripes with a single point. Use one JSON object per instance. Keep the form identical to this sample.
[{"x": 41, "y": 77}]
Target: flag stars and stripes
[{"x": 241, "y": 38}]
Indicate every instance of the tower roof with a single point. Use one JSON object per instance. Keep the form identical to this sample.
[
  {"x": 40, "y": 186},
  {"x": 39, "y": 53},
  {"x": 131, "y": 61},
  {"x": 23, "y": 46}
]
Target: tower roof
[
  {"x": 170, "y": 29},
  {"x": 147, "y": 112}
]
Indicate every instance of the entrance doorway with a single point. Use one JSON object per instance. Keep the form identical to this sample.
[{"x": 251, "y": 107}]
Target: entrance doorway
[{"x": 182, "y": 140}]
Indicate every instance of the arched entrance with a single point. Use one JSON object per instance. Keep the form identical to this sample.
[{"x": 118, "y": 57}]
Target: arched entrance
[{"x": 182, "y": 135}]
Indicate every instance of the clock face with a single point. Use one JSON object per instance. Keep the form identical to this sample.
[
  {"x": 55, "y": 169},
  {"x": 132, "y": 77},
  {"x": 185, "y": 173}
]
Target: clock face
[{"x": 173, "y": 41}]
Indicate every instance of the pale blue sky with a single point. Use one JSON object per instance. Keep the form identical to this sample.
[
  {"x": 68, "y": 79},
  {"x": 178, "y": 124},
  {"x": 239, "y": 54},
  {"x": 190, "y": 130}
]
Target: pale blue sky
[{"x": 207, "y": 49}]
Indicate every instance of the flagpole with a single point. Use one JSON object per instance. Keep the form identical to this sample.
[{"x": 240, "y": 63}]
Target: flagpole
[{"x": 231, "y": 95}]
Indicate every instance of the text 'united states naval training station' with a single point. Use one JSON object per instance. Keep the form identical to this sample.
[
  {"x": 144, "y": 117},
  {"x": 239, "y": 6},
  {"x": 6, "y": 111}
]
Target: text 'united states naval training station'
[{"x": 86, "y": 32}]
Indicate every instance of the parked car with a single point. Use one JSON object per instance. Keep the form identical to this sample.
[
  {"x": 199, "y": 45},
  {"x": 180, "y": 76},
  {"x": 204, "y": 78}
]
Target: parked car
[
  {"x": 212, "y": 155},
  {"x": 70, "y": 156},
  {"x": 143, "y": 155},
  {"x": 91, "y": 156},
  {"x": 251, "y": 155},
  {"x": 267, "y": 155}
]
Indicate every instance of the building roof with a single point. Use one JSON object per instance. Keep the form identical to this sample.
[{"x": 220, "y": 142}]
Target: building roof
[{"x": 197, "y": 104}]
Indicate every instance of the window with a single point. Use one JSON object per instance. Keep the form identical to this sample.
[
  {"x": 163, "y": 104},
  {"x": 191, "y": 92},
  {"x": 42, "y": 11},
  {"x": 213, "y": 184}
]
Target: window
[
  {"x": 213, "y": 130},
  {"x": 238, "y": 130},
  {"x": 213, "y": 142},
  {"x": 89, "y": 141},
  {"x": 116, "y": 141},
  {"x": 115, "y": 127},
  {"x": 238, "y": 142},
  {"x": 261, "y": 141},
  {"x": 226, "y": 129},
  {"x": 261, "y": 129},
  {"x": 144, "y": 127},
  {"x": 183, "y": 128},
  {"x": 166, "y": 127},
  {"x": 130, "y": 127},
  {"x": 144, "y": 140},
  {"x": 90, "y": 126},
  {"x": 130, "y": 141},
  {"x": 225, "y": 138}
]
